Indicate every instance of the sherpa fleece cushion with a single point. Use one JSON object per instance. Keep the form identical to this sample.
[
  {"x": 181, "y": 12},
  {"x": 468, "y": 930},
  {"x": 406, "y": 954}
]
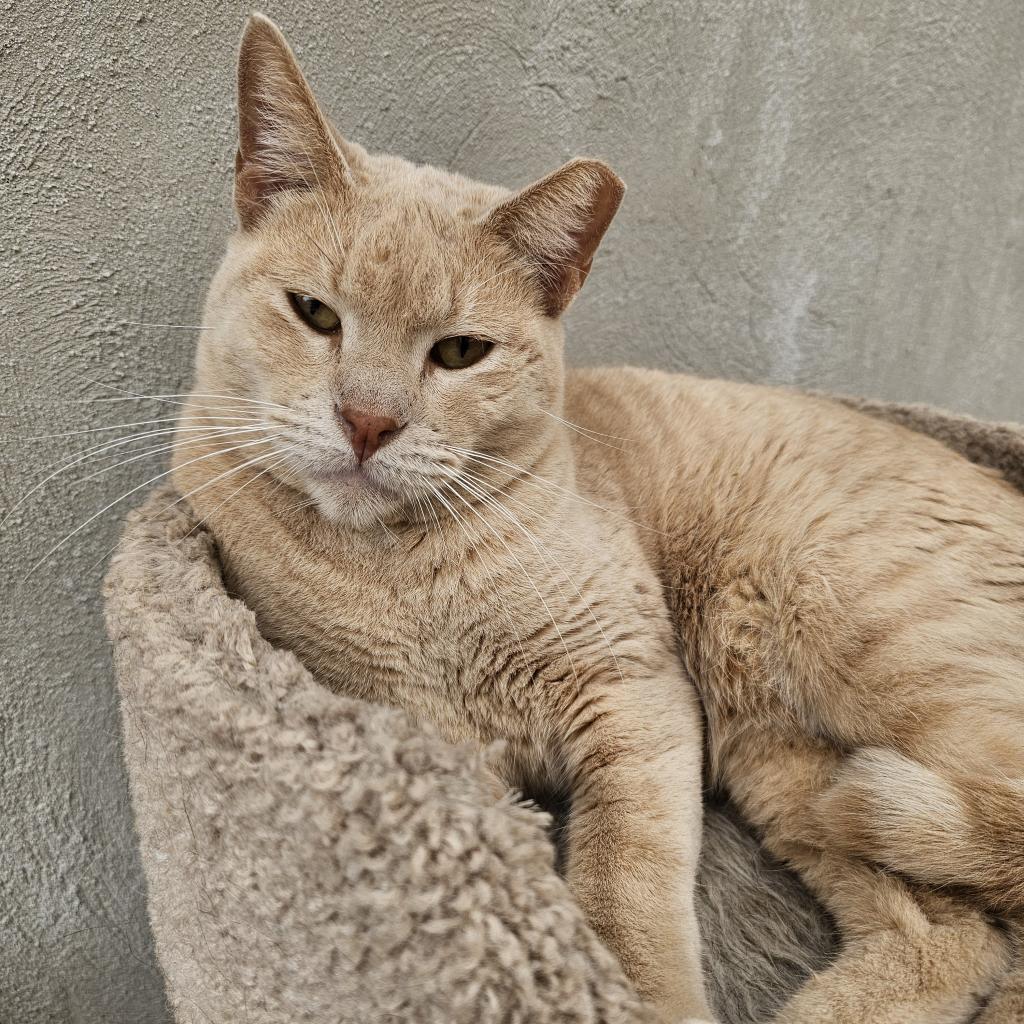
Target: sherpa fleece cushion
[{"x": 312, "y": 858}]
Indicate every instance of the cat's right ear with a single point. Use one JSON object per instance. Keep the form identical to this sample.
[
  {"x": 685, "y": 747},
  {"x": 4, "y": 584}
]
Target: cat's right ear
[{"x": 285, "y": 142}]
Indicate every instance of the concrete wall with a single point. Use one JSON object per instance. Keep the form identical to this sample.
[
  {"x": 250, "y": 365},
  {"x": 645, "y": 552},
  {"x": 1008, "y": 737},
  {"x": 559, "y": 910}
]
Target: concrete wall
[{"x": 821, "y": 193}]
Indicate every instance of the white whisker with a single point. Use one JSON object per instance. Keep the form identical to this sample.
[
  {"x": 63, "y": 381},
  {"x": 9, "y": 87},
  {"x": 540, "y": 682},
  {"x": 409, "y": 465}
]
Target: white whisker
[
  {"x": 133, "y": 395},
  {"x": 528, "y": 577},
  {"x": 470, "y": 453},
  {"x": 178, "y": 327},
  {"x": 163, "y": 448},
  {"x": 590, "y": 435},
  {"x": 383, "y": 525},
  {"x": 122, "y": 426},
  {"x": 550, "y": 522},
  {"x": 491, "y": 587},
  {"x": 541, "y": 550},
  {"x": 321, "y": 204},
  {"x": 167, "y": 508},
  {"x": 100, "y": 450},
  {"x": 281, "y": 457},
  {"x": 56, "y": 547}
]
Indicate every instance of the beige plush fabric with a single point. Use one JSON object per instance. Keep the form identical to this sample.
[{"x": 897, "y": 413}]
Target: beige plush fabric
[{"x": 311, "y": 858}]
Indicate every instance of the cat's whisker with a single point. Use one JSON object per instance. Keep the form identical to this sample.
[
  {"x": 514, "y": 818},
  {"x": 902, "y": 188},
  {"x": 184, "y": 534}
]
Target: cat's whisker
[
  {"x": 182, "y": 405},
  {"x": 433, "y": 514},
  {"x": 261, "y": 456},
  {"x": 501, "y": 273},
  {"x": 418, "y": 516},
  {"x": 300, "y": 506},
  {"x": 470, "y": 453},
  {"x": 134, "y": 395},
  {"x": 522, "y": 568},
  {"x": 106, "y": 508},
  {"x": 453, "y": 513},
  {"x": 509, "y": 617},
  {"x": 525, "y": 268},
  {"x": 546, "y": 555},
  {"x": 317, "y": 198},
  {"x": 207, "y": 412},
  {"x": 177, "y": 327},
  {"x": 527, "y": 577},
  {"x": 102, "y": 449},
  {"x": 167, "y": 508},
  {"x": 122, "y": 426},
  {"x": 163, "y": 448},
  {"x": 593, "y": 435},
  {"x": 280, "y": 459},
  {"x": 550, "y": 522},
  {"x": 491, "y": 586},
  {"x": 383, "y": 525}
]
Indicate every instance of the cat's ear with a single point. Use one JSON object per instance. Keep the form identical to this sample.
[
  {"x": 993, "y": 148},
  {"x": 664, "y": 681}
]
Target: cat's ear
[
  {"x": 556, "y": 224},
  {"x": 285, "y": 142}
]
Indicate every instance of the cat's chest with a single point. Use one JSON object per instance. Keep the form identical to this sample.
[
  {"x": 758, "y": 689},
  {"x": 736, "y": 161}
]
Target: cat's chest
[{"x": 459, "y": 640}]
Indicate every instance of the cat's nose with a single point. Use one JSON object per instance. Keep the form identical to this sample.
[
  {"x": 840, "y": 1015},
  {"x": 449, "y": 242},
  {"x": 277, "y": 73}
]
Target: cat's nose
[{"x": 366, "y": 431}]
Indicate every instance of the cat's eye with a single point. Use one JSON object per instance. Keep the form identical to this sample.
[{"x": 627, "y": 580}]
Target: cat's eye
[
  {"x": 459, "y": 352},
  {"x": 317, "y": 314}
]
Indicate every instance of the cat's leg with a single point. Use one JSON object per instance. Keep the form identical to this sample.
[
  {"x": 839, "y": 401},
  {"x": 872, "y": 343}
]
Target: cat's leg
[
  {"x": 633, "y": 754},
  {"x": 908, "y": 957},
  {"x": 946, "y": 810},
  {"x": 937, "y": 823},
  {"x": 1007, "y": 1005}
]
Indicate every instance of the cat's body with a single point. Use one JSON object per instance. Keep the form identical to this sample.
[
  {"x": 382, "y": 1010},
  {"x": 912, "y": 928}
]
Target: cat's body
[
  {"x": 830, "y": 575},
  {"x": 555, "y": 565}
]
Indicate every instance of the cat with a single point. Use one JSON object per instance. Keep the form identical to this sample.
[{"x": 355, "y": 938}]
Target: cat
[{"x": 598, "y": 567}]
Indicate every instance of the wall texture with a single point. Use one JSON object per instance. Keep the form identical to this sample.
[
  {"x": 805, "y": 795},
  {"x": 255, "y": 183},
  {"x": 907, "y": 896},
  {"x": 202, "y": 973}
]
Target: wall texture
[{"x": 822, "y": 194}]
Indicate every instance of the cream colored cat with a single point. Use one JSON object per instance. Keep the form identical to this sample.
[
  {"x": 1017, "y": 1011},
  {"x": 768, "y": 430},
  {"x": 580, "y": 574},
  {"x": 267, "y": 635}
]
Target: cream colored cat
[{"x": 415, "y": 498}]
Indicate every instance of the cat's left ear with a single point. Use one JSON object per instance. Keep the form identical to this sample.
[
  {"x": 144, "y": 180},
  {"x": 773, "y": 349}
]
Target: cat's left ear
[{"x": 556, "y": 225}]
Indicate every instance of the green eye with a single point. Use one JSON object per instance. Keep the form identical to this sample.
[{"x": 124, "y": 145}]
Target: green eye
[
  {"x": 457, "y": 353},
  {"x": 318, "y": 315}
]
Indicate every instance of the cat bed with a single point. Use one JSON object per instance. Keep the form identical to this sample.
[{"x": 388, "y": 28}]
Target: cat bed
[{"x": 312, "y": 858}]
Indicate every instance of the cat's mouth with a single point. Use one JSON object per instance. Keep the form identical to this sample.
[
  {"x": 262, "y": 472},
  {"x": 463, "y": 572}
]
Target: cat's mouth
[
  {"x": 339, "y": 483},
  {"x": 349, "y": 477},
  {"x": 340, "y": 474},
  {"x": 353, "y": 476}
]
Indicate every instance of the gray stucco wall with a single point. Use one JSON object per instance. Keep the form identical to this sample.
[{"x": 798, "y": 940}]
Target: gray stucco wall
[{"x": 826, "y": 194}]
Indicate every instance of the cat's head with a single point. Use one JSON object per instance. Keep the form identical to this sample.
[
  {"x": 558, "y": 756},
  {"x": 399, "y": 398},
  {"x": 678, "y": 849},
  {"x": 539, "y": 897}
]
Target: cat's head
[{"x": 386, "y": 318}]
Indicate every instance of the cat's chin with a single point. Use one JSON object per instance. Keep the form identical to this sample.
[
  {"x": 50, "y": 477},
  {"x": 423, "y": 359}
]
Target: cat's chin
[{"x": 350, "y": 498}]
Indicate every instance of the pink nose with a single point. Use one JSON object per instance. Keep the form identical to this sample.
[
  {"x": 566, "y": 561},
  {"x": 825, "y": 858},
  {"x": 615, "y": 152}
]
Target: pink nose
[{"x": 366, "y": 431}]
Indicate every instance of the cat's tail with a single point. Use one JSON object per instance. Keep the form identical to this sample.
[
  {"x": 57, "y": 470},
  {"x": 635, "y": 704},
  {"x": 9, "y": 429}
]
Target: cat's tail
[{"x": 940, "y": 827}]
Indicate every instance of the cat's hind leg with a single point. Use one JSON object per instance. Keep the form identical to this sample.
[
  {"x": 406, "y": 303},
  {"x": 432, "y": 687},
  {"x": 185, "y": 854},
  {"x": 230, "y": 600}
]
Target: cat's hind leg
[
  {"x": 952, "y": 817},
  {"x": 1007, "y": 1005},
  {"x": 907, "y": 957},
  {"x": 959, "y": 821}
]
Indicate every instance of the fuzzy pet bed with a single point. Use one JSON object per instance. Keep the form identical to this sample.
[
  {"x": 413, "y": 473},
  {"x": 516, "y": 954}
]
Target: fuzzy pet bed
[{"x": 315, "y": 858}]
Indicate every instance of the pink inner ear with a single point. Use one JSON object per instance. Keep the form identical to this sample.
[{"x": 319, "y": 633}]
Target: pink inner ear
[
  {"x": 284, "y": 140},
  {"x": 557, "y": 224},
  {"x": 255, "y": 187}
]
